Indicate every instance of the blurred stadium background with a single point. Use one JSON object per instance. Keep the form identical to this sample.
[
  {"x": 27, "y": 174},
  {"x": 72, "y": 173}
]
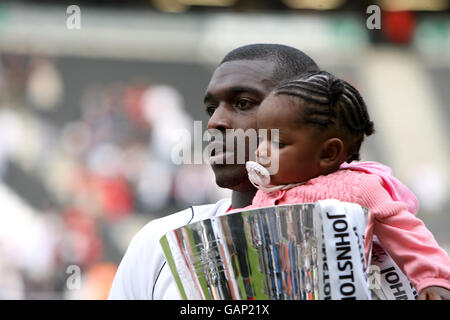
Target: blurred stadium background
[{"x": 86, "y": 116}]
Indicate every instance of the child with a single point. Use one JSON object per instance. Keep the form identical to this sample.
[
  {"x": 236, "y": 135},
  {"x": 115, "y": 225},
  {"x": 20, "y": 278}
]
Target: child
[{"x": 322, "y": 122}]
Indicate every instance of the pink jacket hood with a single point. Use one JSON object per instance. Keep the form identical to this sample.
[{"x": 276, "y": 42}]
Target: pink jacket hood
[{"x": 397, "y": 190}]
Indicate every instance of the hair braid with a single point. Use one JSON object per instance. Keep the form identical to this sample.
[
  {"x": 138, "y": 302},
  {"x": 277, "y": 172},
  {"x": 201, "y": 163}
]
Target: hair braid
[{"x": 332, "y": 101}]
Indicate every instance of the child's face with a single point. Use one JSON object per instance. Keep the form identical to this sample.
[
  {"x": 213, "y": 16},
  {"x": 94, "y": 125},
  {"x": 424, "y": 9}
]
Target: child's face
[{"x": 298, "y": 149}]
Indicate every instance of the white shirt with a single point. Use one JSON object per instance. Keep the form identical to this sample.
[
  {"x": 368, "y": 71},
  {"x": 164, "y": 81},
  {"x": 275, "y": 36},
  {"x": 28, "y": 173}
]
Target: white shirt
[{"x": 143, "y": 273}]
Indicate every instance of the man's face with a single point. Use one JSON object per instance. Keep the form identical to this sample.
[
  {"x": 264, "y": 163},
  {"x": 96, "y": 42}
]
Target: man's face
[{"x": 232, "y": 98}]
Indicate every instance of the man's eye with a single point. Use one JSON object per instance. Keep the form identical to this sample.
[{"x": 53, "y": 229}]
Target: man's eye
[
  {"x": 244, "y": 104},
  {"x": 210, "y": 110}
]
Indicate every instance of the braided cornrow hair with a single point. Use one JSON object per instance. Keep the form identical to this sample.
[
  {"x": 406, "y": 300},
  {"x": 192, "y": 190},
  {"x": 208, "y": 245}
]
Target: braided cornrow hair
[{"x": 332, "y": 101}]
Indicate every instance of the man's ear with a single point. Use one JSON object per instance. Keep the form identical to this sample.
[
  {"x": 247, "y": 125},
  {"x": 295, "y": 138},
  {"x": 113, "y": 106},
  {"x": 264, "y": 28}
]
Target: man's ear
[{"x": 332, "y": 153}]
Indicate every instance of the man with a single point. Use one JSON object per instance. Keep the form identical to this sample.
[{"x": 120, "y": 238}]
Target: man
[{"x": 240, "y": 83}]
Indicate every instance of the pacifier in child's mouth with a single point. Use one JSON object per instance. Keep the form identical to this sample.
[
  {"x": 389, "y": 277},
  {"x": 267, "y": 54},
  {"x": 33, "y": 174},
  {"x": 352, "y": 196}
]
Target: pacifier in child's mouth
[{"x": 259, "y": 176}]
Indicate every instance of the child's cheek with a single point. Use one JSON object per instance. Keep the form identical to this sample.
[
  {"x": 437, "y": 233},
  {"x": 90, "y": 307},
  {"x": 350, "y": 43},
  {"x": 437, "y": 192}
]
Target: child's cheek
[{"x": 274, "y": 163}]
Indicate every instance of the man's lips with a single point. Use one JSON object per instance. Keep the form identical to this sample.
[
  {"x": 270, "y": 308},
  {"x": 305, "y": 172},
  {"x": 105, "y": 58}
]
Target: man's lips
[
  {"x": 222, "y": 158},
  {"x": 220, "y": 154}
]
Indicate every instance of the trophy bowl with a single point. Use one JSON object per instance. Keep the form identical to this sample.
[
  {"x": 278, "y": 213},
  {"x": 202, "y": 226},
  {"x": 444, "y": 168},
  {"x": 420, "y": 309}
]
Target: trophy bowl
[{"x": 271, "y": 253}]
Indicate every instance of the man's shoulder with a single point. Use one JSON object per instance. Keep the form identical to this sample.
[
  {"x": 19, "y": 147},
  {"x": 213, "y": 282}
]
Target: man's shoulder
[{"x": 141, "y": 270}]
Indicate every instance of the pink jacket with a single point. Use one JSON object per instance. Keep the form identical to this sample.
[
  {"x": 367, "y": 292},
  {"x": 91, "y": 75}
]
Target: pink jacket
[{"x": 392, "y": 208}]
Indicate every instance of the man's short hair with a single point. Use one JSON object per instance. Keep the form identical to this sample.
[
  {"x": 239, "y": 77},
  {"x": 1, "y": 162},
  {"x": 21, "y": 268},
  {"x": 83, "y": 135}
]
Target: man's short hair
[{"x": 290, "y": 62}]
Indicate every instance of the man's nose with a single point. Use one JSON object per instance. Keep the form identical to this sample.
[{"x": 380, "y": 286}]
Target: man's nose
[{"x": 221, "y": 119}]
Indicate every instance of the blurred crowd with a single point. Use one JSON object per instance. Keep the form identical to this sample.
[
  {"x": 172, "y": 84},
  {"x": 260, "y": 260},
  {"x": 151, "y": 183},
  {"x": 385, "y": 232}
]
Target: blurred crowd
[{"x": 90, "y": 177}]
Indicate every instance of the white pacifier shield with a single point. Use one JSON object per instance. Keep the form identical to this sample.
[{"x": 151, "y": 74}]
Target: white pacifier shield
[{"x": 257, "y": 174}]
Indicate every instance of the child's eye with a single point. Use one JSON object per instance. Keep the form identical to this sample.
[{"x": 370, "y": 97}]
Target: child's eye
[{"x": 279, "y": 144}]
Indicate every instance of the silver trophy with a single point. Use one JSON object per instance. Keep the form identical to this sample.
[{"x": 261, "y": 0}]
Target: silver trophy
[{"x": 289, "y": 252}]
